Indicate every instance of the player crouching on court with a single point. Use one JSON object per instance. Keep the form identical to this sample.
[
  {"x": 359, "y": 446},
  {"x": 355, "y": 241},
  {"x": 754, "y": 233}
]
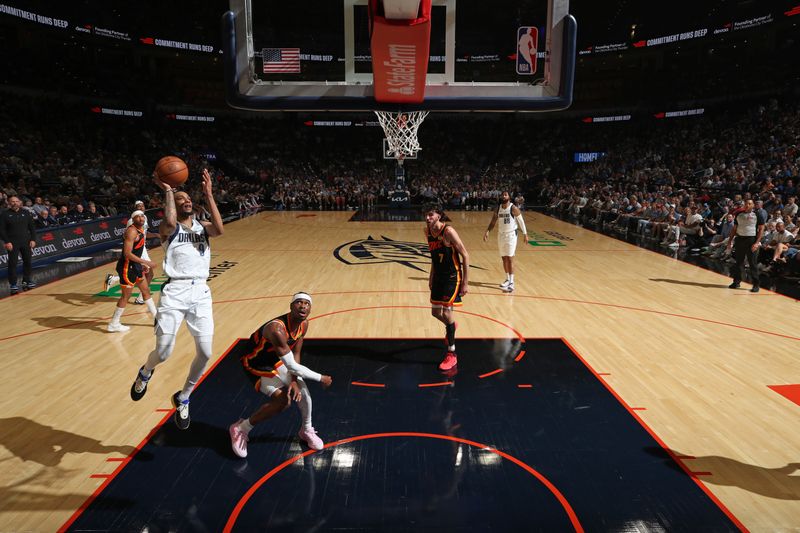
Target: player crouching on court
[
  {"x": 132, "y": 269},
  {"x": 272, "y": 363}
]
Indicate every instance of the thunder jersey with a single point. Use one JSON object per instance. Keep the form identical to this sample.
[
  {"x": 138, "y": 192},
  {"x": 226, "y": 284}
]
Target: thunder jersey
[
  {"x": 261, "y": 358},
  {"x": 444, "y": 259},
  {"x": 505, "y": 220},
  {"x": 187, "y": 253}
]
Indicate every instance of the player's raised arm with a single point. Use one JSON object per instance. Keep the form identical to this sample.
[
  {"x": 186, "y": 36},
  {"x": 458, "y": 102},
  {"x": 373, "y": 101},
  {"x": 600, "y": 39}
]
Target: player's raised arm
[
  {"x": 214, "y": 227},
  {"x": 170, "y": 220}
]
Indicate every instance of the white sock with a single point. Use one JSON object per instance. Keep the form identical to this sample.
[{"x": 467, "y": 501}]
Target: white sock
[
  {"x": 511, "y": 278},
  {"x": 151, "y": 306},
  {"x": 117, "y": 315},
  {"x": 198, "y": 366},
  {"x": 245, "y": 426},
  {"x": 508, "y": 276},
  {"x": 304, "y": 404},
  {"x": 451, "y": 348}
]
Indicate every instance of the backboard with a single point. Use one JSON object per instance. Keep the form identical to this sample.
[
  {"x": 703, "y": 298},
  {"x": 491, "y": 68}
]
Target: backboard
[{"x": 504, "y": 55}]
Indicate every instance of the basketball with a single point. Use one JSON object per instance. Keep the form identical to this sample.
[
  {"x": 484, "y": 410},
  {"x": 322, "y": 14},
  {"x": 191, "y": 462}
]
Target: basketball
[{"x": 172, "y": 170}]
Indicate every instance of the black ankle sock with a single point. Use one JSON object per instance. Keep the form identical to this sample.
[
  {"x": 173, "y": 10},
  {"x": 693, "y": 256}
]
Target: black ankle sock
[{"x": 450, "y": 330}]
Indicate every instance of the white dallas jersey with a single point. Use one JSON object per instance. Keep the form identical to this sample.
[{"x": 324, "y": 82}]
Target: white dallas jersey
[
  {"x": 187, "y": 254},
  {"x": 505, "y": 220}
]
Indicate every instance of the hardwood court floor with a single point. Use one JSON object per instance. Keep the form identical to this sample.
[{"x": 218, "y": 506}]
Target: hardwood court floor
[{"x": 693, "y": 359}]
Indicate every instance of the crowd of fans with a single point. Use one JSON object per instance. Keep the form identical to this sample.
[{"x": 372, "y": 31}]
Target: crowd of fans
[
  {"x": 677, "y": 182},
  {"x": 681, "y": 185},
  {"x": 68, "y": 156}
]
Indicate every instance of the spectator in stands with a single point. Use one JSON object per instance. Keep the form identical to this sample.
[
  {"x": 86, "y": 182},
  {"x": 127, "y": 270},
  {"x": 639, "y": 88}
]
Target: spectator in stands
[
  {"x": 790, "y": 208},
  {"x": 39, "y": 206},
  {"x": 79, "y": 214},
  {"x": 44, "y": 220},
  {"x": 92, "y": 213},
  {"x": 64, "y": 216},
  {"x": 778, "y": 243}
]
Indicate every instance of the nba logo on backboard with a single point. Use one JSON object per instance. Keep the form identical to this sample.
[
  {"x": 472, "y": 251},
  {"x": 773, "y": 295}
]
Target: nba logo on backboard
[{"x": 527, "y": 40}]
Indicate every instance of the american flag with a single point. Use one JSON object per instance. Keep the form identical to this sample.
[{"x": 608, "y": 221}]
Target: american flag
[{"x": 281, "y": 60}]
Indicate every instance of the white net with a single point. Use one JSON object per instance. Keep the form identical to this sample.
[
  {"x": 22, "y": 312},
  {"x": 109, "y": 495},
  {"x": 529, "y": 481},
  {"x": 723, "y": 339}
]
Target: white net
[{"x": 400, "y": 129}]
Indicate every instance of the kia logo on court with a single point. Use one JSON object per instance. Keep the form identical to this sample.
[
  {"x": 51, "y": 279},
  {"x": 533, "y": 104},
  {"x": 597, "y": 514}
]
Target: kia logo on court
[{"x": 371, "y": 251}]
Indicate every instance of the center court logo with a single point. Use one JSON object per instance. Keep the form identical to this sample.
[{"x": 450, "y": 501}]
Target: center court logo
[{"x": 371, "y": 251}]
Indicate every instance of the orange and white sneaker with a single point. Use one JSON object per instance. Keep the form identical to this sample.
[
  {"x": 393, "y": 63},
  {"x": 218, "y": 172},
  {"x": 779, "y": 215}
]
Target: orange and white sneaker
[
  {"x": 238, "y": 439},
  {"x": 309, "y": 435},
  {"x": 450, "y": 360}
]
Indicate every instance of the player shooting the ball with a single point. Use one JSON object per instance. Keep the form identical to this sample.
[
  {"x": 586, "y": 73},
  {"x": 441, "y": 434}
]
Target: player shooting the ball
[{"x": 185, "y": 295}]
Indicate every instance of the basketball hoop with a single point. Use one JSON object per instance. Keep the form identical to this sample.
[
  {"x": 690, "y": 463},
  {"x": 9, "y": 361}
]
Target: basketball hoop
[{"x": 400, "y": 129}]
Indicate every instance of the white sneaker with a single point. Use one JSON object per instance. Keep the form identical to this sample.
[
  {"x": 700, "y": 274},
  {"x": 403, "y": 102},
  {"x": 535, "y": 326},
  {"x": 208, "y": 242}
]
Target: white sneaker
[
  {"x": 674, "y": 245},
  {"x": 139, "y": 300},
  {"x": 509, "y": 288},
  {"x": 238, "y": 439},
  {"x": 113, "y": 328},
  {"x": 110, "y": 281},
  {"x": 311, "y": 438},
  {"x": 505, "y": 284}
]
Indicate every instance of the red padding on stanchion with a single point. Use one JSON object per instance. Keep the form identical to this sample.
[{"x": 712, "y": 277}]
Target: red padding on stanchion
[{"x": 400, "y": 50}]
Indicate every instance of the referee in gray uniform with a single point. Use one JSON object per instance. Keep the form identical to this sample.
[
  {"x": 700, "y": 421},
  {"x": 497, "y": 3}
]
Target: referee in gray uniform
[{"x": 748, "y": 228}]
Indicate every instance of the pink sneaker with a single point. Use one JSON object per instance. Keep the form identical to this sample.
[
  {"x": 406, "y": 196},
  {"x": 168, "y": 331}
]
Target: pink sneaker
[
  {"x": 450, "y": 360},
  {"x": 238, "y": 439},
  {"x": 311, "y": 438}
]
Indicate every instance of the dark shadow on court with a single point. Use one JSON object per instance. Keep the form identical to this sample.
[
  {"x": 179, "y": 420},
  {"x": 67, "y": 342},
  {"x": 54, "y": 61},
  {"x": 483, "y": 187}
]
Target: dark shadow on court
[
  {"x": 78, "y": 299},
  {"x": 21, "y": 495},
  {"x": 31, "y": 441},
  {"x": 204, "y": 435},
  {"x": 484, "y": 285},
  {"x": 691, "y": 283},
  {"x": 776, "y": 483},
  {"x": 28, "y": 500},
  {"x": 94, "y": 324}
]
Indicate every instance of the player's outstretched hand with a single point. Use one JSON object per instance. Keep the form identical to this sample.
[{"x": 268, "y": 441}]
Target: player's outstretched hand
[
  {"x": 326, "y": 381},
  {"x": 206, "y": 182}
]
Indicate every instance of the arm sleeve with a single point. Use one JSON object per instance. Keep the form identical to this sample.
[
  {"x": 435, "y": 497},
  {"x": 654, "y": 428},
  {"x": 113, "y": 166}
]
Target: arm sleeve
[
  {"x": 296, "y": 369},
  {"x": 521, "y": 224}
]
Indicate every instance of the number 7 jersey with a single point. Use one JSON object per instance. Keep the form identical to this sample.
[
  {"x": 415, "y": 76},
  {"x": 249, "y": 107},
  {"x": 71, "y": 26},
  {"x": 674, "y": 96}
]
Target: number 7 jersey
[
  {"x": 187, "y": 253},
  {"x": 444, "y": 259}
]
